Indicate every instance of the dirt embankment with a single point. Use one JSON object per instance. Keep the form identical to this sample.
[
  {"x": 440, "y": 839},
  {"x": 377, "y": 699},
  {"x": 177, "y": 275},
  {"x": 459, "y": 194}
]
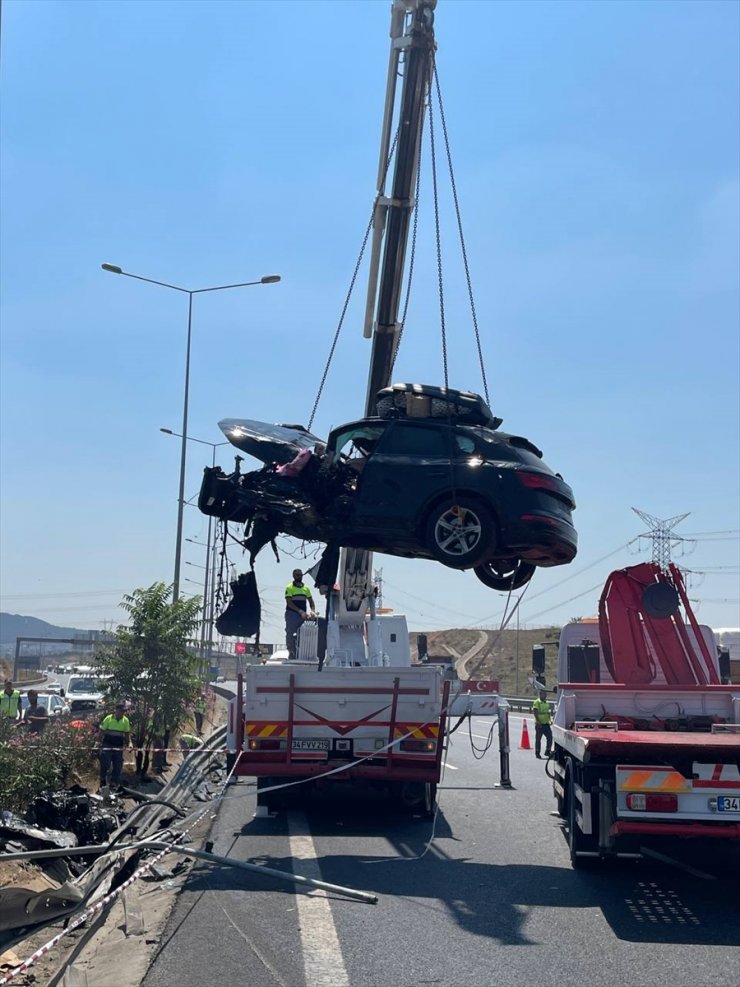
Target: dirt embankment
[{"x": 503, "y": 655}]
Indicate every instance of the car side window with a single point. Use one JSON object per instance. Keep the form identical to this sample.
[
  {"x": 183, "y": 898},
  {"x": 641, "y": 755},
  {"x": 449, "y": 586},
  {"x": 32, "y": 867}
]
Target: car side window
[
  {"x": 405, "y": 439},
  {"x": 465, "y": 444},
  {"x": 359, "y": 441}
]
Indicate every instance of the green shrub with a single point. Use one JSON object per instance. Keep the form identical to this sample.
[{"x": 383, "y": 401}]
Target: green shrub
[{"x": 31, "y": 763}]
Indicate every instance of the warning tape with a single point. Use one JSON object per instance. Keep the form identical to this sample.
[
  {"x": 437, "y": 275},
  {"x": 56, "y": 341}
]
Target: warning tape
[
  {"x": 98, "y": 906},
  {"x": 88, "y": 913},
  {"x": 196, "y": 816},
  {"x": 127, "y": 750}
]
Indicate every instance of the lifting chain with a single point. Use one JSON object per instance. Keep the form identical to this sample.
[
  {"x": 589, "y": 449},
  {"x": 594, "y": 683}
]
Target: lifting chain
[{"x": 461, "y": 235}]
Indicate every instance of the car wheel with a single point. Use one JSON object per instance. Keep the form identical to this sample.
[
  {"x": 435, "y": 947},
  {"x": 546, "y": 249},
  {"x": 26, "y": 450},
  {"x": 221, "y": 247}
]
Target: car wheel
[
  {"x": 505, "y": 574},
  {"x": 460, "y": 533}
]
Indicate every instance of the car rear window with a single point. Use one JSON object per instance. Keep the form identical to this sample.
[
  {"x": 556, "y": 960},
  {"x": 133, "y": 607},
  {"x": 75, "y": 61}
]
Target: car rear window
[{"x": 511, "y": 449}]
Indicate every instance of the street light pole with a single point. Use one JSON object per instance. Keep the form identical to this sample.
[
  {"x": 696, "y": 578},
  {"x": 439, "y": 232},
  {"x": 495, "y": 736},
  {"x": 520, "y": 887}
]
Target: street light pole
[
  {"x": 183, "y": 454},
  {"x": 208, "y": 605},
  {"x": 267, "y": 279}
]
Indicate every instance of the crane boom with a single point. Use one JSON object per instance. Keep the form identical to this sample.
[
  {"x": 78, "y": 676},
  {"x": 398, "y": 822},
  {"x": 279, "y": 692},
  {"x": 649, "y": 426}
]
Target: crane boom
[{"x": 412, "y": 47}]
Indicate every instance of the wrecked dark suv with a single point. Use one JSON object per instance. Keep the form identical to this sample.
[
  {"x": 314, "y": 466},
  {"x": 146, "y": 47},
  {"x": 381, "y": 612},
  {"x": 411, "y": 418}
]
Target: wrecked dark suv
[{"x": 429, "y": 477}]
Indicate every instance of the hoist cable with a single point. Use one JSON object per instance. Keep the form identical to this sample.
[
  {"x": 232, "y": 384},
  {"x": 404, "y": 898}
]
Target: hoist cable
[
  {"x": 439, "y": 247},
  {"x": 461, "y": 234},
  {"x": 351, "y": 287}
]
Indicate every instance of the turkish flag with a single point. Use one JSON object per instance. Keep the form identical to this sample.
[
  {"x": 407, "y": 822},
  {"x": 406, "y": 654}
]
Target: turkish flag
[
  {"x": 480, "y": 685},
  {"x": 240, "y": 648}
]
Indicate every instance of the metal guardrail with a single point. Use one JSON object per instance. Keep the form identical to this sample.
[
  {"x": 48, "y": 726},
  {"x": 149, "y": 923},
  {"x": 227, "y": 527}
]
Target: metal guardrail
[{"x": 520, "y": 703}]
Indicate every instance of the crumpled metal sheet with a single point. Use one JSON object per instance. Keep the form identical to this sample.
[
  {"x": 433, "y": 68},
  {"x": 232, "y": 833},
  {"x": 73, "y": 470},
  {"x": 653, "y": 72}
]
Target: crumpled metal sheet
[
  {"x": 12, "y": 825},
  {"x": 20, "y": 907}
]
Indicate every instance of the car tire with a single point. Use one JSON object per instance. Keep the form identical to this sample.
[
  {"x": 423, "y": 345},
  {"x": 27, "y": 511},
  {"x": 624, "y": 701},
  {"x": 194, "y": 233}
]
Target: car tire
[
  {"x": 460, "y": 532},
  {"x": 503, "y": 575}
]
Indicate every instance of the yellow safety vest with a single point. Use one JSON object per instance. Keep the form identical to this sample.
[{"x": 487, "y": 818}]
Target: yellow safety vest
[
  {"x": 296, "y": 594},
  {"x": 10, "y": 704},
  {"x": 541, "y": 710},
  {"x": 111, "y": 725}
]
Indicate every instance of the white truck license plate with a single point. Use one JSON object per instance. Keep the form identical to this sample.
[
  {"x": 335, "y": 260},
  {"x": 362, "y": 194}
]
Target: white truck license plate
[
  {"x": 310, "y": 745},
  {"x": 728, "y": 803}
]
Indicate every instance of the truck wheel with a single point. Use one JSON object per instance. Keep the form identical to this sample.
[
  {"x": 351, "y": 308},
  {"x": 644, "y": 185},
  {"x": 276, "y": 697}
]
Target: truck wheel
[
  {"x": 579, "y": 842},
  {"x": 414, "y": 797},
  {"x": 460, "y": 532},
  {"x": 505, "y": 574},
  {"x": 561, "y": 801},
  {"x": 430, "y": 800}
]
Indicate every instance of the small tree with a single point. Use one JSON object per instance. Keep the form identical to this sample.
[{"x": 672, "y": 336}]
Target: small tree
[{"x": 151, "y": 667}]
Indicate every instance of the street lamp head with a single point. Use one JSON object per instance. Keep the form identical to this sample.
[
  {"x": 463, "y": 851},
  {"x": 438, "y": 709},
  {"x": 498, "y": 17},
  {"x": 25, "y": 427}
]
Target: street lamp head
[
  {"x": 167, "y": 431},
  {"x": 267, "y": 279},
  {"x": 112, "y": 268}
]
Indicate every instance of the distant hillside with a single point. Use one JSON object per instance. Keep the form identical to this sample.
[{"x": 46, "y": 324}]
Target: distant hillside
[
  {"x": 493, "y": 655},
  {"x": 13, "y": 625}
]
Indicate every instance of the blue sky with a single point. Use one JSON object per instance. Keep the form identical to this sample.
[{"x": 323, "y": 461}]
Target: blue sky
[{"x": 596, "y": 156}]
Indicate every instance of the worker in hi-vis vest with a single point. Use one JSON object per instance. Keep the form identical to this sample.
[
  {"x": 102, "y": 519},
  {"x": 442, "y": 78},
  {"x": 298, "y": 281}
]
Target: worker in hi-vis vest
[
  {"x": 10, "y": 701},
  {"x": 297, "y": 600},
  {"x": 116, "y": 731},
  {"x": 542, "y": 728}
]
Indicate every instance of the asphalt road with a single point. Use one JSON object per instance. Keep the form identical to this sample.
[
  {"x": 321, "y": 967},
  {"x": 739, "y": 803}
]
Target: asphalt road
[{"x": 492, "y": 899}]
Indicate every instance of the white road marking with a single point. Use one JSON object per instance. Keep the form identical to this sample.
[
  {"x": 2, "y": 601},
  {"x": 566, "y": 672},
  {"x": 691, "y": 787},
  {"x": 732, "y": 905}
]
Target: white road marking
[
  {"x": 479, "y": 736},
  {"x": 446, "y": 764},
  {"x": 322, "y": 954}
]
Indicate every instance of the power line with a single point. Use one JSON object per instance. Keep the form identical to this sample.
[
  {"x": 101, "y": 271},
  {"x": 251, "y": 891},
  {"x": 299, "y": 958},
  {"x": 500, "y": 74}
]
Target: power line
[
  {"x": 706, "y": 534},
  {"x": 591, "y": 589},
  {"x": 41, "y": 596}
]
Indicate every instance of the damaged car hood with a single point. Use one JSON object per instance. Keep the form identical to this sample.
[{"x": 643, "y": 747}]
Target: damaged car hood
[{"x": 266, "y": 442}]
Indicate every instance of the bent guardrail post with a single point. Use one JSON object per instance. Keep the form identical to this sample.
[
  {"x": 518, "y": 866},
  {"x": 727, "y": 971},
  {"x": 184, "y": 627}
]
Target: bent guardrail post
[{"x": 214, "y": 858}]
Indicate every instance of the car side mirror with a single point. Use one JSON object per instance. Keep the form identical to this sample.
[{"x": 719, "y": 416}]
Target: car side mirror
[{"x": 61, "y": 692}]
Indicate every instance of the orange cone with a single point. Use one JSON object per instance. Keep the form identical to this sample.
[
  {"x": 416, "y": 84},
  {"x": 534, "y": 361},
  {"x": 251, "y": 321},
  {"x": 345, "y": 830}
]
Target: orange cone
[{"x": 525, "y": 744}]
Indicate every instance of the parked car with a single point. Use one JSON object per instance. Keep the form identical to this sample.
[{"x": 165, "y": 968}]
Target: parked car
[
  {"x": 429, "y": 477},
  {"x": 56, "y": 688},
  {"x": 84, "y": 694},
  {"x": 54, "y": 705}
]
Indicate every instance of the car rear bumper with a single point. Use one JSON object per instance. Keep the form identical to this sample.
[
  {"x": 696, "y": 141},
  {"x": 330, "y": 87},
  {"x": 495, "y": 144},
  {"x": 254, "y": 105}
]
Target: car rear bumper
[{"x": 543, "y": 539}]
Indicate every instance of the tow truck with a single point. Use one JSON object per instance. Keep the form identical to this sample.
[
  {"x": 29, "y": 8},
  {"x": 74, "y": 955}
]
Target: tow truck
[
  {"x": 646, "y": 734},
  {"x": 351, "y": 705}
]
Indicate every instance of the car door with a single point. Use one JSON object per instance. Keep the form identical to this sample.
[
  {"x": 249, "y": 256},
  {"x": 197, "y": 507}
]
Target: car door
[{"x": 410, "y": 464}]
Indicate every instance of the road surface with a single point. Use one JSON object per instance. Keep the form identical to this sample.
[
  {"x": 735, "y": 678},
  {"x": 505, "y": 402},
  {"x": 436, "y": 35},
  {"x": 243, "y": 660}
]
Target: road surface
[{"x": 491, "y": 899}]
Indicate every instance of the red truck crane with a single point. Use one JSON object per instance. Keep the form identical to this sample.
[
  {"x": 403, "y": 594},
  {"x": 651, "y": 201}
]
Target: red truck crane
[{"x": 647, "y": 736}]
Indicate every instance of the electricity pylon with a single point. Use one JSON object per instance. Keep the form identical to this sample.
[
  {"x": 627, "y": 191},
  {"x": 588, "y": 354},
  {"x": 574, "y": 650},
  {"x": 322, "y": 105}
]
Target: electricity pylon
[{"x": 662, "y": 535}]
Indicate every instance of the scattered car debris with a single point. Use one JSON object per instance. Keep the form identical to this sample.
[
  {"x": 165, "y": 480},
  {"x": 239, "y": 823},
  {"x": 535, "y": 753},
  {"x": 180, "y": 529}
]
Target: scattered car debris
[
  {"x": 31, "y": 837},
  {"x": 86, "y": 815}
]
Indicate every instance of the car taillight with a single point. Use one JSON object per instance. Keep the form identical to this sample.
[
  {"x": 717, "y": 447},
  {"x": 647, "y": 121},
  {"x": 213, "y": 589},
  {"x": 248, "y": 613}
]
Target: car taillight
[
  {"x": 640, "y": 802},
  {"x": 537, "y": 480},
  {"x": 427, "y": 746}
]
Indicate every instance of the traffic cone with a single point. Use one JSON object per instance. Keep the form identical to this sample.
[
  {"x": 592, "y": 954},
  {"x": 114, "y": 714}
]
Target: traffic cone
[{"x": 525, "y": 744}]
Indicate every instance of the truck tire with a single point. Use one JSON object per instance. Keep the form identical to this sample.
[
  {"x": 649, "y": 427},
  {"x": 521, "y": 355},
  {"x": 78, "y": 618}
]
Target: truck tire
[
  {"x": 579, "y": 842},
  {"x": 414, "y": 797}
]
